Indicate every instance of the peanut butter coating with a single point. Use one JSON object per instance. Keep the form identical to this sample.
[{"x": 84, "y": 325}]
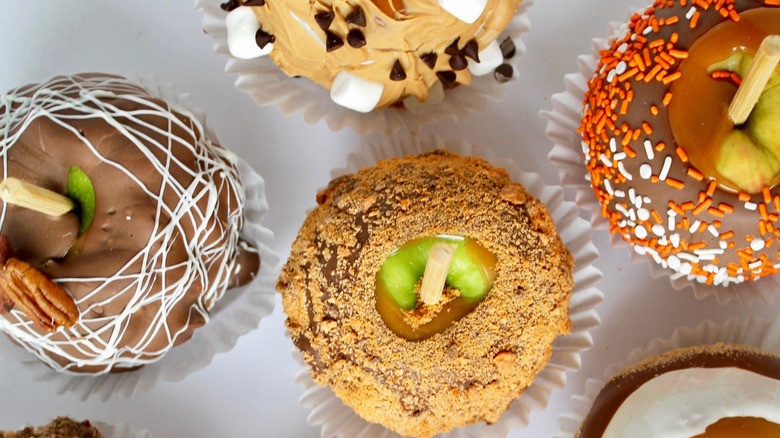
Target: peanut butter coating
[
  {"x": 406, "y": 35},
  {"x": 474, "y": 369}
]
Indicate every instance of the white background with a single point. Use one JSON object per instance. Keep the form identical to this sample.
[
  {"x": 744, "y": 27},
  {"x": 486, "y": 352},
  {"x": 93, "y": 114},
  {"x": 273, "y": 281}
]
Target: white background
[{"x": 250, "y": 391}]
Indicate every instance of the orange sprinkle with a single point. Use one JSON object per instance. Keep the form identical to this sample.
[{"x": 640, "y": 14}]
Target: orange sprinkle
[
  {"x": 654, "y": 179},
  {"x": 628, "y": 74},
  {"x": 762, "y": 210},
  {"x": 695, "y": 246},
  {"x": 630, "y": 152},
  {"x": 727, "y": 235},
  {"x": 675, "y": 36},
  {"x": 673, "y": 19},
  {"x": 762, "y": 227},
  {"x": 695, "y": 174},
  {"x": 726, "y": 208},
  {"x": 639, "y": 62},
  {"x": 682, "y": 154},
  {"x": 711, "y": 187},
  {"x": 626, "y": 138},
  {"x": 703, "y": 226},
  {"x": 624, "y": 107},
  {"x": 736, "y": 79},
  {"x": 703, "y": 206},
  {"x": 702, "y": 4},
  {"x": 777, "y": 197},
  {"x": 672, "y": 77},
  {"x": 744, "y": 197},
  {"x": 656, "y": 216},
  {"x": 675, "y": 183},
  {"x": 715, "y": 212},
  {"x": 679, "y": 54},
  {"x": 673, "y": 205},
  {"x": 767, "y": 195},
  {"x": 735, "y": 16},
  {"x": 655, "y": 43},
  {"x": 772, "y": 217},
  {"x": 688, "y": 205},
  {"x": 695, "y": 19},
  {"x": 667, "y": 98},
  {"x": 654, "y": 110},
  {"x": 660, "y": 146}
]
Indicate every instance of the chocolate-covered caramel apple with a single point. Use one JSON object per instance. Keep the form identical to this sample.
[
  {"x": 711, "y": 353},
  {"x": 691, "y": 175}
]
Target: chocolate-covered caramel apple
[
  {"x": 120, "y": 223},
  {"x": 427, "y": 291},
  {"x": 680, "y": 137},
  {"x": 712, "y": 391},
  {"x": 374, "y": 53}
]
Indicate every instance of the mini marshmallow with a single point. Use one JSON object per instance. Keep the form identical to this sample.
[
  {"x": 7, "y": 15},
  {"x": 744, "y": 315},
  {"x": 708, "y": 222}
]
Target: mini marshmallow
[
  {"x": 242, "y": 26},
  {"x": 489, "y": 58},
  {"x": 466, "y": 11},
  {"x": 353, "y": 92}
]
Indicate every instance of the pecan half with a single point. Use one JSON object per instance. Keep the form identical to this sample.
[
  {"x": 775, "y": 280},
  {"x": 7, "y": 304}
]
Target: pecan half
[
  {"x": 44, "y": 302},
  {"x": 6, "y": 252}
]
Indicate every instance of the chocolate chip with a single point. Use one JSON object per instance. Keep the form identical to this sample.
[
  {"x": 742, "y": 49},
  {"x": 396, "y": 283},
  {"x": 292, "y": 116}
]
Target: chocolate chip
[
  {"x": 397, "y": 73},
  {"x": 447, "y": 78},
  {"x": 356, "y": 39},
  {"x": 458, "y": 61},
  {"x": 356, "y": 17},
  {"x": 430, "y": 59},
  {"x": 503, "y": 72},
  {"x": 262, "y": 38},
  {"x": 452, "y": 49},
  {"x": 471, "y": 49},
  {"x": 507, "y": 48},
  {"x": 230, "y": 5},
  {"x": 332, "y": 41},
  {"x": 324, "y": 19},
  {"x": 254, "y": 3}
]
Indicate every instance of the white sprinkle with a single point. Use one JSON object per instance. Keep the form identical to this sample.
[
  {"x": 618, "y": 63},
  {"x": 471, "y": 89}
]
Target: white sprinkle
[
  {"x": 645, "y": 171},
  {"x": 662, "y": 241},
  {"x": 647, "y": 199},
  {"x": 620, "y": 208},
  {"x": 621, "y": 67},
  {"x": 757, "y": 244},
  {"x": 604, "y": 159},
  {"x": 658, "y": 230},
  {"x": 611, "y": 76},
  {"x": 690, "y": 12},
  {"x": 587, "y": 176},
  {"x": 724, "y": 244},
  {"x": 620, "y": 194},
  {"x": 632, "y": 195},
  {"x": 608, "y": 187},
  {"x": 623, "y": 171},
  {"x": 670, "y": 223},
  {"x": 689, "y": 257},
  {"x": 622, "y": 223},
  {"x": 619, "y": 156},
  {"x": 713, "y": 231},
  {"x": 707, "y": 251},
  {"x": 622, "y": 49},
  {"x": 638, "y": 202},
  {"x": 673, "y": 262},
  {"x": 585, "y": 148},
  {"x": 613, "y": 144},
  {"x": 675, "y": 239},
  {"x": 643, "y": 214},
  {"x": 694, "y": 226},
  {"x": 751, "y": 205},
  {"x": 649, "y": 150},
  {"x": 665, "y": 169},
  {"x": 641, "y": 250},
  {"x": 632, "y": 214},
  {"x": 647, "y": 30},
  {"x": 640, "y": 232},
  {"x": 755, "y": 265},
  {"x": 686, "y": 268}
]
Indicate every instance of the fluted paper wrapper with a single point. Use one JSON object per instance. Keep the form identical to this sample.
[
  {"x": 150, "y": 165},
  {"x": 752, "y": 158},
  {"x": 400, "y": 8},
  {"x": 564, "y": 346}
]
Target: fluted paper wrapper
[
  {"x": 338, "y": 420},
  {"x": 238, "y": 312},
  {"x": 262, "y": 79},
  {"x": 120, "y": 430},
  {"x": 566, "y": 154},
  {"x": 753, "y": 332}
]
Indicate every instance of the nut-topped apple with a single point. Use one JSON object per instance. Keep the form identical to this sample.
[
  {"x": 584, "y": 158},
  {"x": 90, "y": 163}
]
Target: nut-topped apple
[
  {"x": 675, "y": 175},
  {"x": 426, "y": 291},
  {"x": 120, "y": 223}
]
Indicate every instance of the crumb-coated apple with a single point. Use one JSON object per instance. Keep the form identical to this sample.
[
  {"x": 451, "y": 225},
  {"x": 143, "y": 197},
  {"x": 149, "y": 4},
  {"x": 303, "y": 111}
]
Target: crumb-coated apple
[
  {"x": 149, "y": 237},
  {"x": 355, "y": 291},
  {"x": 676, "y": 176}
]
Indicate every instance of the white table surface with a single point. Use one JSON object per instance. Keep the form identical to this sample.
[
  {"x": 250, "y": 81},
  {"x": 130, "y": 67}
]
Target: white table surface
[{"x": 250, "y": 391}]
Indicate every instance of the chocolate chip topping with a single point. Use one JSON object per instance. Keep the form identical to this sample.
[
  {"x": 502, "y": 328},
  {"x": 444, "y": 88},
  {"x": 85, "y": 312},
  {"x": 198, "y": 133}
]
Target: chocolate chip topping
[
  {"x": 356, "y": 17},
  {"x": 332, "y": 41},
  {"x": 471, "y": 49},
  {"x": 230, "y": 5},
  {"x": 356, "y": 39},
  {"x": 503, "y": 73},
  {"x": 447, "y": 78},
  {"x": 262, "y": 38},
  {"x": 430, "y": 59},
  {"x": 452, "y": 49},
  {"x": 507, "y": 48},
  {"x": 456, "y": 377},
  {"x": 254, "y": 3},
  {"x": 397, "y": 73},
  {"x": 620, "y": 387},
  {"x": 324, "y": 19},
  {"x": 458, "y": 62}
]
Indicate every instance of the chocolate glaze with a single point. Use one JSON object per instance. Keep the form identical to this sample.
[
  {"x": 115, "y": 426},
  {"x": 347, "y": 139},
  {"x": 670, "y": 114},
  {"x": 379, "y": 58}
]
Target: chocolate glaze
[
  {"x": 744, "y": 222},
  {"x": 139, "y": 210},
  {"x": 620, "y": 387}
]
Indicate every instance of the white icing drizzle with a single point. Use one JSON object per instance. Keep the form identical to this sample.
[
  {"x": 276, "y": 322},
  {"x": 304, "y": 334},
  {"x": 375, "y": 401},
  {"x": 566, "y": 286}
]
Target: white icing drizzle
[
  {"x": 682, "y": 403},
  {"x": 99, "y": 339}
]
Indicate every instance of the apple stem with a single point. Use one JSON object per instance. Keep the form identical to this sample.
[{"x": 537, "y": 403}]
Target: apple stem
[
  {"x": 17, "y": 192},
  {"x": 436, "y": 268},
  {"x": 755, "y": 79}
]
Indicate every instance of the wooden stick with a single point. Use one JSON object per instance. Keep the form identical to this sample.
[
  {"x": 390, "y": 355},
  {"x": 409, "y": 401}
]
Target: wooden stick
[
  {"x": 755, "y": 79},
  {"x": 17, "y": 192},
  {"x": 436, "y": 268}
]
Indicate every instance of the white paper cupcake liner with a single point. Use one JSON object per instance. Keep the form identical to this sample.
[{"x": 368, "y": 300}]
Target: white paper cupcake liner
[
  {"x": 566, "y": 155},
  {"x": 754, "y": 332},
  {"x": 338, "y": 420},
  {"x": 120, "y": 430},
  {"x": 238, "y": 312},
  {"x": 269, "y": 85}
]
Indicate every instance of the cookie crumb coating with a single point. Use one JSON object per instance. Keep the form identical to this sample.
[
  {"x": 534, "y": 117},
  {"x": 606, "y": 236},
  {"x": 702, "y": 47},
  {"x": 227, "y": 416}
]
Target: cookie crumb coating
[{"x": 474, "y": 369}]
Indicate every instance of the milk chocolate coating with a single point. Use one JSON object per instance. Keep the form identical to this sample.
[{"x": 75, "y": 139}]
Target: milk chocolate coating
[
  {"x": 620, "y": 387},
  {"x": 744, "y": 221},
  {"x": 472, "y": 370},
  {"x": 164, "y": 242}
]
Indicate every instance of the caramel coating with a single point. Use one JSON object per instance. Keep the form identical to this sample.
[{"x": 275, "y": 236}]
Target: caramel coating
[{"x": 474, "y": 369}]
